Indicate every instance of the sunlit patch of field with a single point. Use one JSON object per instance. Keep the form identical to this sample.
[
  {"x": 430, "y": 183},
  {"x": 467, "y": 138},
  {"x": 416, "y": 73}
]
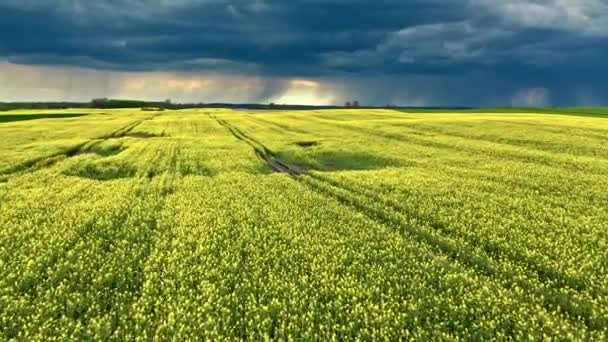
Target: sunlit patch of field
[{"x": 129, "y": 224}]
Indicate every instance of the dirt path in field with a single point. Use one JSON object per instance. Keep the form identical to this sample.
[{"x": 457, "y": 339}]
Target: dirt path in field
[{"x": 262, "y": 151}]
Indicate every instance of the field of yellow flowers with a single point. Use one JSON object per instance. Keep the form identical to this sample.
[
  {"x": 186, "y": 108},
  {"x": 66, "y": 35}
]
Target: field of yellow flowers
[{"x": 306, "y": 225}]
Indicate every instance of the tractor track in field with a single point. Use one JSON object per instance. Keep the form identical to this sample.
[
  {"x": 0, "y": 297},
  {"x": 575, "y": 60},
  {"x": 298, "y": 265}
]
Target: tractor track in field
[
  {"x": 497, "y": 252},
  {"x": 529, "y": 158},
  {"x": 38, "y": 163},
  {"x": 37, "y": 283},
  {"x": 440, "y": 239},
  {"x": 262, "y": 151},
  {"x": 526, "y": 145},
  {"x": 492, "y": 250},
  {"x": 487, "y": 265}
]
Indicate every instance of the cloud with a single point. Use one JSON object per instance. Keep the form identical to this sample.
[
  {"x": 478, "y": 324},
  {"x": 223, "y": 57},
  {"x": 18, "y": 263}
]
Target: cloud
[
  {"x": 584, "y": 16},
  {"x": 500, "y": 46},
  {"x": 441, "y": 43}
]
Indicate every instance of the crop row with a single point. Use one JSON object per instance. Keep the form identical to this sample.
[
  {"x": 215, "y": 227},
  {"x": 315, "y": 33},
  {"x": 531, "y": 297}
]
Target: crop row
[{"x": 173, "y": 228}]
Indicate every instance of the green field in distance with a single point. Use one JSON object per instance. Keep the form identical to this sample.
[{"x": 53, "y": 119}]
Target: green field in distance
[{"x": 313, "y": 225}]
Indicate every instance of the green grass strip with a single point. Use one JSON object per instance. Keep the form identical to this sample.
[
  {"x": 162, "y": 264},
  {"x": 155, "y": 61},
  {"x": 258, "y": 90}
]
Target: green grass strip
[{"x": 25, "y": 117}]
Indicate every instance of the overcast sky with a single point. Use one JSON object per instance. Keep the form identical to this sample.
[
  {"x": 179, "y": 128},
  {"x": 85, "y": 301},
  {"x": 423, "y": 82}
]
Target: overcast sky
[{"x": 402, "y": 52}]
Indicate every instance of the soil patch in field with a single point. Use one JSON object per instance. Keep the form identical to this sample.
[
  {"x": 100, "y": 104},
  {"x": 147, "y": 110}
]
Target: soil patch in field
[
  {"x": 143, "y": 135},
  {"x": 307, "y": 143}
]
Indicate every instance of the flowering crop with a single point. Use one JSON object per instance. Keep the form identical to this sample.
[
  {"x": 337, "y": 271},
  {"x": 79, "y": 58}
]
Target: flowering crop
[{"x": 392, "y": 226}]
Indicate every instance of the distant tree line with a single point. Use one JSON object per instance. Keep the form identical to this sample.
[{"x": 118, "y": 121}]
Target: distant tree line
[
  {"x": 117, "y": 103},
  {"x": 4, "y": 106},
  {"x": 158, "y": 105}
]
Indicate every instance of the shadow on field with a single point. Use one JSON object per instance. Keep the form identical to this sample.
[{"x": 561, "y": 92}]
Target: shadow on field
[
  {"x": 102, "y": 170},
  {"x": 339, "y": 160},
  {"x": 100, "y": 148}
]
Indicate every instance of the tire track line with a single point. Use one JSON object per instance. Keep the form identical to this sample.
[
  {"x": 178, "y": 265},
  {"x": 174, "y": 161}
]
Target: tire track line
[
  {"x": 576, "y": 309},
  {"x": 47, "y": 161}
]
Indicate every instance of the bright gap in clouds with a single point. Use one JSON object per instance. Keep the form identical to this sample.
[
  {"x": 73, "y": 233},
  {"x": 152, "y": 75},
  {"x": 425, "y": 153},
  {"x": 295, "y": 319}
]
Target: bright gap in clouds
[{"x": 306, "y": 92}]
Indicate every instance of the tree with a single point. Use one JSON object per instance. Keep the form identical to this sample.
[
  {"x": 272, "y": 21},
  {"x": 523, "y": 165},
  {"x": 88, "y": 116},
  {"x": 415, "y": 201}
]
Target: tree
[{"x": 100, "y": 103}]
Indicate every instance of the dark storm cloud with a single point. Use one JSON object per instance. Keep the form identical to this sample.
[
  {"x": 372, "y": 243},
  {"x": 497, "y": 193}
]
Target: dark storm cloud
[
  {"x": 277, "y": 37},
  {"x": 478, "y": 47}
]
